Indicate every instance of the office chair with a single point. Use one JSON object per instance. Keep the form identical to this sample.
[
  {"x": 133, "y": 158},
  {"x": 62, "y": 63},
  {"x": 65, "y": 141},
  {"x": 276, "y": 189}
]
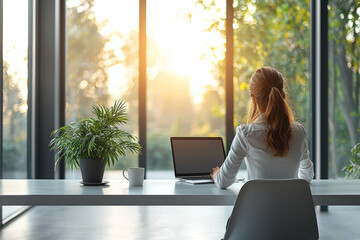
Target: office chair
[{"x": 273, "y": 209}]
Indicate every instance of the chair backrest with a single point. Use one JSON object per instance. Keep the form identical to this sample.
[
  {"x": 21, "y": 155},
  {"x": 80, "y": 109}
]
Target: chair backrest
[{"x": 273, "y": 209}]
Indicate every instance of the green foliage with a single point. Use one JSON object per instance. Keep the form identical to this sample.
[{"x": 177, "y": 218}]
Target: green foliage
[
  {"x": 352, "y": 170},
  {"x": 14, "y": 156},
  {"x": 273, "y": 33},
  {"x": 159, "y": 151},
  {"x": 98, "y": 137},
  {"x": 344, "y": 82},
  {"x": 277, "y": 33},
  {"x": 14, "y": 124}
]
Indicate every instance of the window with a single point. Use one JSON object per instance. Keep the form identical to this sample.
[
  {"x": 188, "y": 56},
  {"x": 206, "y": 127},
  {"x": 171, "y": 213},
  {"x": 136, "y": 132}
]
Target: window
[
  {"x": 186, "y": 67},
  {"x": 275, "y": 34},
  {"x": 185, "y": 94},
  {"x": 15, "y": 92},
  {"x": 102, "y": 63},
  {"x": 344, "y": 82}
]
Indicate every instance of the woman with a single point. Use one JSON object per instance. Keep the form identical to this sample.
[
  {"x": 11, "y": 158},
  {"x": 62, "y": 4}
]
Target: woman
[{"x": 273, "y": 145}]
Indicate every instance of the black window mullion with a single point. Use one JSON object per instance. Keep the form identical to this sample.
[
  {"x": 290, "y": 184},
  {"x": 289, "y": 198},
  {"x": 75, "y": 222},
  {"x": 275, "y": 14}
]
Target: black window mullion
[
  {"x": 312, "y": 123},
  {"x": 31, "y": 71},
  {"x": 322, "y": 89},
  {"x": 49, "y": 109},
  {"x": 320, "y": 95},
  {"x": 61, "y": 56}
]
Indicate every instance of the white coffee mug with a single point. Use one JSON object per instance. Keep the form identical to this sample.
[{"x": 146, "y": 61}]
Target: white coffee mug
[{"x": 135, "y": 176}]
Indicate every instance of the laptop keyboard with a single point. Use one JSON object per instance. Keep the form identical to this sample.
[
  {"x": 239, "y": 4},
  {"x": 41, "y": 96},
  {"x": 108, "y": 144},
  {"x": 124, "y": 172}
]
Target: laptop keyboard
[{"x": 205, "y": 177}]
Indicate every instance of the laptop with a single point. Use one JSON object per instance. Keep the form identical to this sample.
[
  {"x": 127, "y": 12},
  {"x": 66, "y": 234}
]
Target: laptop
[{"x": 194, "y": 157}]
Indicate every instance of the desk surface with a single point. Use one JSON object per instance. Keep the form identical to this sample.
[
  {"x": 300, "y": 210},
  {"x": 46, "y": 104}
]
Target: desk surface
[{"x": 154, "y": 192}]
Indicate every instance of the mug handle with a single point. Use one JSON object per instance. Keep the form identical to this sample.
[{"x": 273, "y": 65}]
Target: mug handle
[{"x": 123, "y": 173}]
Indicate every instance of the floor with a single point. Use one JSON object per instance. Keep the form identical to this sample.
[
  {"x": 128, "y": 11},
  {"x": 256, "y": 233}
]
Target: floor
[{"x": 107, "y": 223}]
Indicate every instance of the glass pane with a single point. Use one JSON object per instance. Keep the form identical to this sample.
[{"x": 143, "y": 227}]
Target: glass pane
[
  {"x": 15, "y": 90},
  {"x": 276, "y": 34},
  {"x": 185, "y": 77},
  {"x": 344, "y": 83},
  {"x": 102, "y": 63}
]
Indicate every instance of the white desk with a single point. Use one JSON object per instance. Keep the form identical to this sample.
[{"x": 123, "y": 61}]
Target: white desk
[{"x": 154, "y": 193}]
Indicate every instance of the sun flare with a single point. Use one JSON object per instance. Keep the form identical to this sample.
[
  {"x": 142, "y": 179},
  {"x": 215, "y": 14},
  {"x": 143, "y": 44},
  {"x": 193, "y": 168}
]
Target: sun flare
[{"x": 189, "y": 49}]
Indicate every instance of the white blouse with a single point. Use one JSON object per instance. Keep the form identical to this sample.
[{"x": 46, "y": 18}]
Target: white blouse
[{"x": 249, "y": 144}]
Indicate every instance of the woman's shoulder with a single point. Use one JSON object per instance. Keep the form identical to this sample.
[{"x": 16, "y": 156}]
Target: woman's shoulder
[
  {"x": 298, "y": 127},
  {"x": 245, "y": 129}
]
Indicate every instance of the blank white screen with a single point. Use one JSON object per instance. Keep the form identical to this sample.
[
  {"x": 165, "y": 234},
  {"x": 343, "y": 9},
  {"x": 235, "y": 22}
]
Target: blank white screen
[{"x": 198, "y": 155}]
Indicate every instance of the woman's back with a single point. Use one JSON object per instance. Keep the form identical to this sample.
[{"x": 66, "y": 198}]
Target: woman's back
[{"x": 260, "y": 161}]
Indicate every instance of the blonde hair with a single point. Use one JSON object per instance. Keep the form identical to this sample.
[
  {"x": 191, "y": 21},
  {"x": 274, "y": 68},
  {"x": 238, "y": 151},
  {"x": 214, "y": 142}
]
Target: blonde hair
[{"x": 267, "y": 86}]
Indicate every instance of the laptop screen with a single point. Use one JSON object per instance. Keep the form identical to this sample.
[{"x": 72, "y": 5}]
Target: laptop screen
[{"x": 196, "y": 155}]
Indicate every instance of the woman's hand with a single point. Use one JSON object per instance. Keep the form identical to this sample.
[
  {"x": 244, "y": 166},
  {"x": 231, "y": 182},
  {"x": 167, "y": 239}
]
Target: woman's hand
[{"x": 215, "y": 171}]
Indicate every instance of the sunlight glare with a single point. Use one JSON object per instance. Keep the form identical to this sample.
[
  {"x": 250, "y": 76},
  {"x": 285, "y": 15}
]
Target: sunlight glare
[
  {"x": 189, "y": 49},
  {"x": 118, "y": 81},
  {"x": 15, "y": 49}
]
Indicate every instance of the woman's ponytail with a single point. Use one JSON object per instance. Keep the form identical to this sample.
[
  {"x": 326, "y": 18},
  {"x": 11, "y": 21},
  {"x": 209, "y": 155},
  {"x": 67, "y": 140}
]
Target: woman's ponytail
[
  {"x": 278, "y": 122},
  {"x": 267, "y": 88}
]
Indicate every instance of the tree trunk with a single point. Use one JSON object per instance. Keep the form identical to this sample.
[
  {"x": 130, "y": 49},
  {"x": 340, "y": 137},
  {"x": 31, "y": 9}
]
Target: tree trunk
[
  {"x": 348, "y": 104},
  {"x": 332, "y": 110}
]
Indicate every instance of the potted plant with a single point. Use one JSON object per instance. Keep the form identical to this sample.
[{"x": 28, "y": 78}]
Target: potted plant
[
  {"x": 352, "y": 170},
  {"x": 93, "y": 143}
]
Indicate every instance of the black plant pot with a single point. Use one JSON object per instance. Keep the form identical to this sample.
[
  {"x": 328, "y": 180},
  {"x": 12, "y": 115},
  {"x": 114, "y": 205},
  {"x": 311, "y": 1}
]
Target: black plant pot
[{"x": 92, "y": 170}]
